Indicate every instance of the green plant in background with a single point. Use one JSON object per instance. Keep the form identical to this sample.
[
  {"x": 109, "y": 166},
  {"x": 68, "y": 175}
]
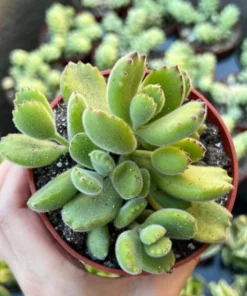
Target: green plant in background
[
  {"x": 183, "y": 12},
  {"x": 135, "y": 131},
  {"x": 210, "y": 252},
  {"x": 69, "y": 35},
  {"x": 7, "y": 280},
  {"x": 158, "y": 12},
  {"x": 205, "y": 25},
  {"x": 240, "y": 284},
  {"x": 194, "y": 286},
  {"x": 107, "y": 53},
  {"x": 105, "y": 4},
  {"x": 134, "y": 34},
  {"x": 240, "y": 143},
  {"x": 28, "y": 69},
  {"x": 243, "y": 56},
  {"x": 234, "y": 252},
  {"x": 222, "y": 288},
  {"x": 201, "y": 67}
]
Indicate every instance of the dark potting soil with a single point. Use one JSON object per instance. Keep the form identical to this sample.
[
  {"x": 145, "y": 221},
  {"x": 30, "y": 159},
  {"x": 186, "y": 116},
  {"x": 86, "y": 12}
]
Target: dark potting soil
[{"x": 215, "y": 156}]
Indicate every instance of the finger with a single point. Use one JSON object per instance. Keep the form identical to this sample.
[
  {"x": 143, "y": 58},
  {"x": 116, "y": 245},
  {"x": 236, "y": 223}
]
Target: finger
[
  {"x": 4, "y": 168},
  {"x": 15, "y": 190}
]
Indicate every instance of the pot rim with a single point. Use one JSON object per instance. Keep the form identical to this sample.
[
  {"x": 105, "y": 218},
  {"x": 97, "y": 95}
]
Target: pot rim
[{"x": 213, "y": 116}]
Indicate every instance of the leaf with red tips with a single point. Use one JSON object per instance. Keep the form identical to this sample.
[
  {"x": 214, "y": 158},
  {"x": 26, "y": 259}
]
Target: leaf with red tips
[
  {"x": 86, "y": 181},
  {"x": 87, "y": 81},
  {"x": 174, "y": 126},
  {"x": 195, "y": 148},
  {"x": 212, "y": 221},
  {"x": 170, "y": 160},
  {"x": 122, "y": 88},
  {"x": 109, "y": 132},
  {"x": 172, "y": 83}
]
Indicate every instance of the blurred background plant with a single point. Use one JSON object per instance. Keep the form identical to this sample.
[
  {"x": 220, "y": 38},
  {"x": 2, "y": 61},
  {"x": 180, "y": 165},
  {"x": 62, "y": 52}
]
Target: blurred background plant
[
  {"x": 7, "y": 280},
  {"x": 65, "y": 36},
  {"x": 115, "y": 27},
  {"x": 207, "y": 24}
]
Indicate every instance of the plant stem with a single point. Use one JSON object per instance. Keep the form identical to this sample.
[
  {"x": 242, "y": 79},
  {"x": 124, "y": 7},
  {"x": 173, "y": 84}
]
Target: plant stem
[{"x": 61, "y": 140}]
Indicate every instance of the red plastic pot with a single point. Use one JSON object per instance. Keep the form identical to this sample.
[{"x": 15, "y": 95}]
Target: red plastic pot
[
  {"x": 215, "y": 118},
  {"x": 220, "y": 53}
]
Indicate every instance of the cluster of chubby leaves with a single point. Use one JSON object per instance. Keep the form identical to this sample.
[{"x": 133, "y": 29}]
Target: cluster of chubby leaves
[
  {"x": 234, "y": 251},
  {"x": 134, "y": 141},
  {"x": 206, "y": 24},
  {"x": 136, "y": 33}
]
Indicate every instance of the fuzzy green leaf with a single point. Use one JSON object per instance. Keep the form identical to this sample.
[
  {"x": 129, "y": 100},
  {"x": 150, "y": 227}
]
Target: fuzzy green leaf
[
  {"x": 79, "y": 149},
  {"x": 53, "y": 195},
  {"x": 130, "y": 211},
  {"x": 160, "y": 248},
  {"x": 170, "y": 160},
  {"x": 196, "y": 183},
  {"x": 76, "y": 107},
  {"x": 172, "y": 83},
  {"x": 178, "y": 224},
  {"x": 128, "y": 252},
  {"x": 29, "y": 152},
  {"x": 152, "y": 233},
  {"x": 127, "y": 179},
  {"x": 195, "y": 148},
  {"x": 175, "y": 126},
  {"x": 109, "y": 132},
  {"x": 98, "y": 242},
  {"x": 159, "y": 199},
  {"x": 142, "y": 109},
  {"x": 157, "y": 94},
  {"x": 87, "y": 81},
  {"x": 86, "y": 181},
  {"x": 146, "y": 183},
  {"x": 124, "y": 82},
  {"x": 33, "y": 95},
  {"x": 32, "y": 119},
  {"x": 102, "y": 162},
  {"x": 212, "y": 220},
  {"x": 187, "y": 83},
  {"x": 157, "y": 265},
  {"x": 85, "y": 213}
]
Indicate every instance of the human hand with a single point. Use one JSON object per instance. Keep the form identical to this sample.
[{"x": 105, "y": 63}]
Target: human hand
[{"x": 43, "y": 268}]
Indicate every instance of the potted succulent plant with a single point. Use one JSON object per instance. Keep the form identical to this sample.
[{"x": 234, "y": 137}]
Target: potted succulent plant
[
  {"x": 206, "y": 28},
  {"x": 124, "y": 185}
]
